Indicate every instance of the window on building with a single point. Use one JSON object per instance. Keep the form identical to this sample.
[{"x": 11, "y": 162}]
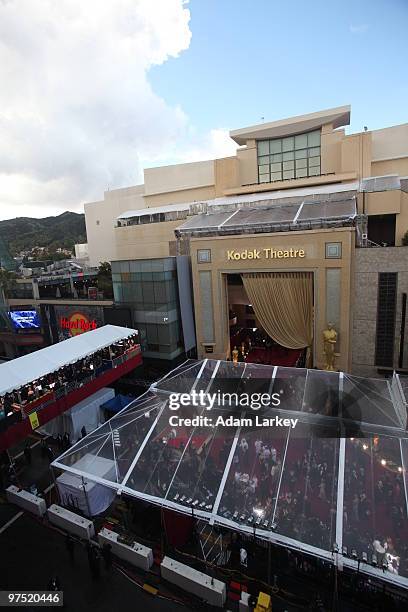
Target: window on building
[
  {"x": 289, "y": 158},
  {"x": 381, "y": 229},
  {"x": 386, "y": 310}
]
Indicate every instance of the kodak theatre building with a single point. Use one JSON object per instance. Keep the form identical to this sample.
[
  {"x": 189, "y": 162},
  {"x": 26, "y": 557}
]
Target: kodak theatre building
[{"x": 302, "y": 229}]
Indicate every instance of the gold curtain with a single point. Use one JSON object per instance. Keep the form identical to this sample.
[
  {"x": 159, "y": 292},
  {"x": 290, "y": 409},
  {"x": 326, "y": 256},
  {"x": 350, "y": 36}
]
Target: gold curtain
[{"x": 283, "y": 305}]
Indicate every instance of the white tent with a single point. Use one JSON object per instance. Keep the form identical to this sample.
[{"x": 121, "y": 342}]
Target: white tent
[
  {"x": 23, "y": 370},
  {"x": 89, "y": 497},
  {"x": 85, "y": 414}
]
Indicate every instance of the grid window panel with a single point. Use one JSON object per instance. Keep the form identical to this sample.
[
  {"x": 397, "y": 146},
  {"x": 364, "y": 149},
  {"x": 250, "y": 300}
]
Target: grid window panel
[
  {"x": 314, "y": 151},
  {"x": 275, "y": 146},
  {"x": 386, "y": 312},
  {"x": 263, "y": 147},
  {"x": 301, "y": 154},
  {"x": 288, "y": 144},
  {"x": 301, "y": 141},
  {"x": 314, "y": 161},
  {"x": 313, "y": 139},
  {"x": 304, "y": 148},
  {"x": 301, "y": 172}
]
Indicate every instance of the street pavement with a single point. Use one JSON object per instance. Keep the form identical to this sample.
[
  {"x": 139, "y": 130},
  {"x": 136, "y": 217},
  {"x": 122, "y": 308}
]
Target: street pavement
[{"x": 32, "y": 552}]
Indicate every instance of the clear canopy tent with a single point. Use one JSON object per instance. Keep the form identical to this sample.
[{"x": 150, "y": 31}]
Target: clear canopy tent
[{"x": 337, "y": 481}]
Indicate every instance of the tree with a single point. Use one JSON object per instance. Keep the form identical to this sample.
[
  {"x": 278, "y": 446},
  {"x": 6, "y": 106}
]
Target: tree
[
  {"x": 7, "y": 281},
  {"x": 105, "y": 279}
]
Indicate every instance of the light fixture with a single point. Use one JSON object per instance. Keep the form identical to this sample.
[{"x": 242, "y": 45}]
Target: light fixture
[
  {"x": 383, "y": 462},
  {"x": 354, "y": 553},
  {"x": 374, "y": 560},
  {"x": 344, "y": 551},
  {"x": 399, "y": 468},
  {"x": 364, "y": 557},
  {"x": 365, "y": 446}
]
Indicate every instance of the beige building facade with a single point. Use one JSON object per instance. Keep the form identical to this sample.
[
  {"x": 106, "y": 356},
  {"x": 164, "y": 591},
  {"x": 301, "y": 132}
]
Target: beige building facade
[{"x": 287, "y": 163}]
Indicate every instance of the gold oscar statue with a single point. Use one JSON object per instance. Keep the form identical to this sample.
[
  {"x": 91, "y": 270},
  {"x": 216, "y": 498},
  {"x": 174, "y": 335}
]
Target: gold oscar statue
[
  {"x": 329, "y": 343},
  {"x": 235, "y": 355}
]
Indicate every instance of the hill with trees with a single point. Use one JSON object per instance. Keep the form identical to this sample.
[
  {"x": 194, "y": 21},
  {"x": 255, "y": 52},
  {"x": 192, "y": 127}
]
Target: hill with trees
[{"x": 25, "y": 233}]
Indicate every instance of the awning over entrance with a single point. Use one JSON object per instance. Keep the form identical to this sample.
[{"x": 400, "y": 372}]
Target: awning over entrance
[{"x": 274, "y": 217}]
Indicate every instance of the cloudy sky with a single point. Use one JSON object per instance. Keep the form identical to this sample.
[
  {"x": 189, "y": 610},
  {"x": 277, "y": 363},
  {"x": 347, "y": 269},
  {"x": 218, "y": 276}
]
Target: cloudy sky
[{"x": 91, "y": 92}]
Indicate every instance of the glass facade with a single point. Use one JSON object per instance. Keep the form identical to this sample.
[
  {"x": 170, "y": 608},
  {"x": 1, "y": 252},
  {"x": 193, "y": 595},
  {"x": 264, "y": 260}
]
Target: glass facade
[
  {"x": 149, "y": 287},
  {"x": 289, "y": 158}
]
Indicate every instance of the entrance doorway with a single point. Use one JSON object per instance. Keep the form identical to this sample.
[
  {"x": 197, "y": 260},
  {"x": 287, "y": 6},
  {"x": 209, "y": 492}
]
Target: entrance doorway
[{"x": 249, "y": 337}]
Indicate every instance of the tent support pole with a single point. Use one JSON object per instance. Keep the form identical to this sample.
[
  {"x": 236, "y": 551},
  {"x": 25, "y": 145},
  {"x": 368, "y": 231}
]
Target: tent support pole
[
  {"x": 86, "y": 497},
  {"x": 55, "y": 485}
]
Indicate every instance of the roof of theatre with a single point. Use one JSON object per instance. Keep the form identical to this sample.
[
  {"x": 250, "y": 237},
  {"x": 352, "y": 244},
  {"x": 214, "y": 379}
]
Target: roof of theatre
[
  {"x": 268, "y": 199},
  {"x": 23, "y": 370},
  {"x": 276, "y": 217},
  {"x": 344, "y": 422}
]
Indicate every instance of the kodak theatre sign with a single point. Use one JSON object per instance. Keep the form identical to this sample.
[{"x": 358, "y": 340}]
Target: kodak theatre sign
[{"x": 233, "y": 255}]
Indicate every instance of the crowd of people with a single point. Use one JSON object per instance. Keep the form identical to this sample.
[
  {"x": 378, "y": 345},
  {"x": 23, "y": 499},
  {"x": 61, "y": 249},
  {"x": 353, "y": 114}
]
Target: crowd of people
[
  {"x": 375, "y": 518},
  {"x": 304, "y": 508},
  {"x": 76, "y": 373}
]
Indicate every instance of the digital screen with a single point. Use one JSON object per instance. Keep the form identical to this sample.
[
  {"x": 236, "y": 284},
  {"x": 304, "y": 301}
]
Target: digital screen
[{"x": 25, "y": 319}]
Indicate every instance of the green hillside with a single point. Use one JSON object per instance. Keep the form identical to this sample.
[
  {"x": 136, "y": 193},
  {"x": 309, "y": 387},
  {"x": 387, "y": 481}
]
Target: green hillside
[{"x": 52, "y": 232}]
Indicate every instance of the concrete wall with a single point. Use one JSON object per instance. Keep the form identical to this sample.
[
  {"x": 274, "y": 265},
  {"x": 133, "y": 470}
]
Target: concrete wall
[
  {"x": 100, "y": 219},
  {"x": 178, "y": 177},
  {"x": 180, "y": 197},
  {"x": 390, "y": 143},
  {"x": 147, "y": 241},
  {"x": 368, "y": 263}
]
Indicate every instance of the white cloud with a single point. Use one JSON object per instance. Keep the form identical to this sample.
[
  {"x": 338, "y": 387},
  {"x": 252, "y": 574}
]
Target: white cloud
[
  {"x": 358, "y": 28},
  {"x": 77, "y": 112},
  {"x": 195, "y": 147}
]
